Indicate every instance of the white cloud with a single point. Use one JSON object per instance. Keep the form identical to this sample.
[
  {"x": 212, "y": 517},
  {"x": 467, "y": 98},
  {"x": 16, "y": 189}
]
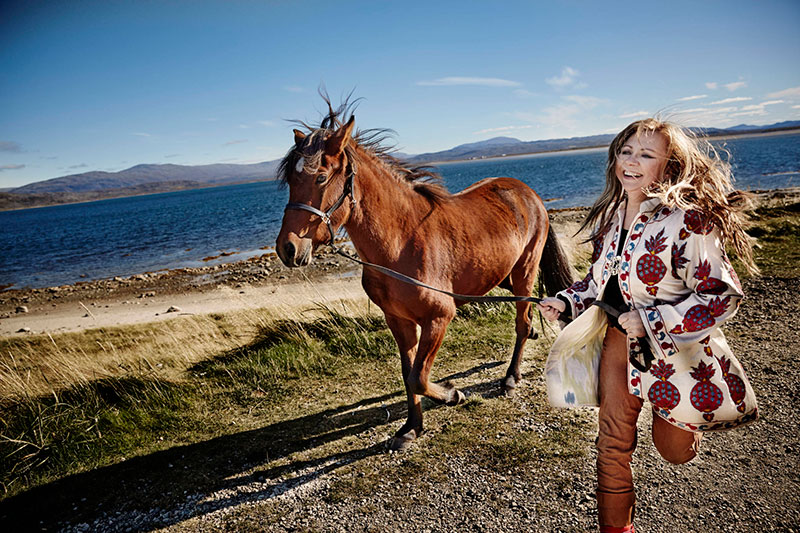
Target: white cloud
[
  {"x": 561, "y": 114},
  {"x": 796, "y": 106},
  {"x": 11, "y": 167},
  {"x": 525, "y": 93},
  {"x": 267, "y": 123},
  {"x": 567, "y": 78},
  {"x": 463, "y": 80},
  {"x": 735, "y": 85},
  {"x": 792, "y": 92},
  {"x": 754, "y": 112},
  {"x": 566, "y": 118},
  {"x": 142, "y": 134},
  {"x": 730, "y": 100},
  {"x": 772, "y": 102},
  {"x": 709, "y": 117},
  {"x": 501, "y": 129},
  {"x": 635, "y": 114},
  {"x": 695, "y": 97},
  {"x": 587, "y": 102},
  {"x": 238, "y": 141},
  {"x": 711, "y": 85}
]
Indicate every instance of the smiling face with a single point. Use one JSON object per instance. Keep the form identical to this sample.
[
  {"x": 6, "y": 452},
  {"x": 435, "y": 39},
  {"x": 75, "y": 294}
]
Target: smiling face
[{"x": 640, "y": 162}]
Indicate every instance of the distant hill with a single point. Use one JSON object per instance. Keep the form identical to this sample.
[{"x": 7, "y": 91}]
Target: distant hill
[
  {"x": 148, "y": 174},
  {"x": 501, "y": 146},
  {"x": 40, "y": 199},
  {"x": 788, "y": 124}
]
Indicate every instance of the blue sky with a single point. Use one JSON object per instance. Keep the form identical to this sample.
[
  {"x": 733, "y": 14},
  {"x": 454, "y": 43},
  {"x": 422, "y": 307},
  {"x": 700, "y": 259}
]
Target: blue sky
[{"x": 107, "y": 85}]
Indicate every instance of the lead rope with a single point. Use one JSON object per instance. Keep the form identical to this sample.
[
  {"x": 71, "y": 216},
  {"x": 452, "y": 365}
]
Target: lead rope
[
  {"x": 326, "y": 218},
  {"x": 408, "y": 279}
]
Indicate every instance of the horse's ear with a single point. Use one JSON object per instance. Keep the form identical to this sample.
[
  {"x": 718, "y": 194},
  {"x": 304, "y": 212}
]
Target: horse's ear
[
  {"x": 299, "y": 137},
  {"x": 338, "y": 141}
]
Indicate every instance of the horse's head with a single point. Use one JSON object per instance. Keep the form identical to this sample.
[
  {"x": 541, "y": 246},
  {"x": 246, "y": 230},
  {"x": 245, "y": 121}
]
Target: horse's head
[{"x": 319, "y": 171}]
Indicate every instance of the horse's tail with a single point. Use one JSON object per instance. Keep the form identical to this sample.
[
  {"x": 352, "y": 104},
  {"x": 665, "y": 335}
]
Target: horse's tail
[{"x": 554, "y": 267}]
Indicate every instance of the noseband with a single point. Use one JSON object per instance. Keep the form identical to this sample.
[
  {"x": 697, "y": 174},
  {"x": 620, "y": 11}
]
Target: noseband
[{"x": 326, "y": 215}]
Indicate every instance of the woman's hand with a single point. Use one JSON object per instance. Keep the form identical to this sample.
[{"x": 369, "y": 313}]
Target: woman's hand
[
  {"x": 551, "y": 308},
  {"x": 631, "y": 322}
]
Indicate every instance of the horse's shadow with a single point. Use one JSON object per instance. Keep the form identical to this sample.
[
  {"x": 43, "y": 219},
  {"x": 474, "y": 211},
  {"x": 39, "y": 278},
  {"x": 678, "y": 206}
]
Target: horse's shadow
[{"x": 197, "y": 479}]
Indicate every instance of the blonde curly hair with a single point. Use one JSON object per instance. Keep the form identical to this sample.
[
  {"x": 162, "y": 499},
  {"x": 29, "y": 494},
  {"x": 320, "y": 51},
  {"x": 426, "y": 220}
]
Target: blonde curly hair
[{"x": 695, "y": 177}]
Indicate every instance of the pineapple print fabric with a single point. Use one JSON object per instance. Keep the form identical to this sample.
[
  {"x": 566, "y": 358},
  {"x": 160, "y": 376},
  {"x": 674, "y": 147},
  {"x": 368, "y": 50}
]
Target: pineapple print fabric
[{"x": 674, "y": 271}]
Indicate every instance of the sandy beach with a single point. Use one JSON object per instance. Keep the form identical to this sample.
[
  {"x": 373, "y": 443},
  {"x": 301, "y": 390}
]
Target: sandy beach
[{"x": 259, "y": 283}]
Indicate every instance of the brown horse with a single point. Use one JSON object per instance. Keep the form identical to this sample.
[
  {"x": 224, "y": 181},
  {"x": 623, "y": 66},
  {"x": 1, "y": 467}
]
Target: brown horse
[{"x": 495, "y": 232}]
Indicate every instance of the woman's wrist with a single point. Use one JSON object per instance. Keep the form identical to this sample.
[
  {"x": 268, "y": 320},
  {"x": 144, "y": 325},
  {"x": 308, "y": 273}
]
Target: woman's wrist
[{"x": 567, "y": 311}]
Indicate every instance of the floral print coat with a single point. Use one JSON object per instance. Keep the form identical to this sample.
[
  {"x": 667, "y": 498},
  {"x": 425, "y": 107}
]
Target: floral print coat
[{"x": 673, "y": 269}]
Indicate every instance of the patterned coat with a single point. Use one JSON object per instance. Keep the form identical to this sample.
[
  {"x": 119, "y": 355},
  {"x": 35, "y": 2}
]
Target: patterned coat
[{"x": 675, "y": 272}]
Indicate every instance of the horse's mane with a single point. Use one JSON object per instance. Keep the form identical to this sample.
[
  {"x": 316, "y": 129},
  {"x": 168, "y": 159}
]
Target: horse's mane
[{"x": 421, "y": 178}]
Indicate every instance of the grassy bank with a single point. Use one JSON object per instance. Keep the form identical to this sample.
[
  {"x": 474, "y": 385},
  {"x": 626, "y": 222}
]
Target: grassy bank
[{"x": 303, "y": 385}]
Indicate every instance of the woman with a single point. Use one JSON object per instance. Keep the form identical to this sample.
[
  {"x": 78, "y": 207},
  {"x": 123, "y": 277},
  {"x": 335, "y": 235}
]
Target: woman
[{"x": 661, "y": 227}]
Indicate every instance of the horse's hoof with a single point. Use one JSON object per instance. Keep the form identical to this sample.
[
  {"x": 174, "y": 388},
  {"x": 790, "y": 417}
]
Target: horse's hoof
[
  {"x": 401, "y": 443},
  {"x": 457, "y": 397},
  {"x": 509, "y": 386}
]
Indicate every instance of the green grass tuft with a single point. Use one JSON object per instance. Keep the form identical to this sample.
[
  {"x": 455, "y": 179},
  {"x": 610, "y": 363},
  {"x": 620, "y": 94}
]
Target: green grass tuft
[{"x": 85, "y": 426}]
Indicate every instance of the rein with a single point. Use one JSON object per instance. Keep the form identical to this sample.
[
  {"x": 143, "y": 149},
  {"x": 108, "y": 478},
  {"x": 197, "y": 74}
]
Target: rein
[{"x": 326, "y": 217}]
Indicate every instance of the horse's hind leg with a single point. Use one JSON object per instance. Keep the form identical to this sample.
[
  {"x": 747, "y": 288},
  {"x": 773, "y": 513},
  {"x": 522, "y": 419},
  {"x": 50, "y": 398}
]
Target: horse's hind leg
[
  {"x": 522, "y": 278},
  {"x": 523, "y": 328}
]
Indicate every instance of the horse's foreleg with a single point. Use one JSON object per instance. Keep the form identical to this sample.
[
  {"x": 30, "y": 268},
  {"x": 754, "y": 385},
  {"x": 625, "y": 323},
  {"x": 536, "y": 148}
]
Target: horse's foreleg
[
  {"x": 405, "y": 334},
  {"x": 430, "y": 340}
]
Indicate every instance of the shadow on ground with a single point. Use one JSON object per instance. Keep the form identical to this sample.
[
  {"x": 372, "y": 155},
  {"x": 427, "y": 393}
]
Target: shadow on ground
[{"x": 170, "y": 486}]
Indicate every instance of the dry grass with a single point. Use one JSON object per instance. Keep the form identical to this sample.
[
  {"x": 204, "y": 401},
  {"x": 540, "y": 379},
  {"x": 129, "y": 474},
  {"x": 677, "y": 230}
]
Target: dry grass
[{"x": 42, "y": 364}]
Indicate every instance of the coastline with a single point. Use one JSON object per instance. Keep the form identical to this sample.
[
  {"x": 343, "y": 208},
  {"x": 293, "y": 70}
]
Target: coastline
[
  {"x": 260, "y": 282},
  {"x": 257, "y": 282}
]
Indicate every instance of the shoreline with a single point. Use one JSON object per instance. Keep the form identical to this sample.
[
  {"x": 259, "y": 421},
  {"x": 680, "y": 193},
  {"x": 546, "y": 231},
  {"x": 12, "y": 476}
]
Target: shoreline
[{"x": 260, "y": 282}]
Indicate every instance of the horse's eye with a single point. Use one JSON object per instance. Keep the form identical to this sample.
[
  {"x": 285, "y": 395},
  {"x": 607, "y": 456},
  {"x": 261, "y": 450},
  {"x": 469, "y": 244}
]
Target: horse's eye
[{"x": 321, "y": 178}]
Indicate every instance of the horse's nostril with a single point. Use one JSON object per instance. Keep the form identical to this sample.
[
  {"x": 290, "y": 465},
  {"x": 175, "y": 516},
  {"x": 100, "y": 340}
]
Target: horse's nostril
[{"x": 289, "y": 251}]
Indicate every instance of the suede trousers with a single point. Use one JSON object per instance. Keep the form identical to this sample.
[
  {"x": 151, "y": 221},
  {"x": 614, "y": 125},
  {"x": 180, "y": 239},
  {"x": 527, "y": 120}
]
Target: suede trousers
[{"x": 616, "y": 440}]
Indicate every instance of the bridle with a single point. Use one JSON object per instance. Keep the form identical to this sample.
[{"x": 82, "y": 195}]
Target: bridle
[{"x": 326, "y": 215}]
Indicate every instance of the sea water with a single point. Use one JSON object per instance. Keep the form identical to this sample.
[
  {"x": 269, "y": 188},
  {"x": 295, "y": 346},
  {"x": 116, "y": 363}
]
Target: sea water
[{"x": 124, "y": 236}]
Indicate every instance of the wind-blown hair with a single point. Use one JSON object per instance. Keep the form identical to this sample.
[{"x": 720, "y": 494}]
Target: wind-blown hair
[
  {"x": 695, "y": 177},
  {"x": 421, "y": 178}
]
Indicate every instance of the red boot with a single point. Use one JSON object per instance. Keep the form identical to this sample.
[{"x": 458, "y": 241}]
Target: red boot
[{"x": 615, "y": 512}]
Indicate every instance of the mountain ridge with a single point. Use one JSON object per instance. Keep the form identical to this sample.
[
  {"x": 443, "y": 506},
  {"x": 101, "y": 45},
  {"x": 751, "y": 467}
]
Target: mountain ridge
[{"x": 151, "y": 173}]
